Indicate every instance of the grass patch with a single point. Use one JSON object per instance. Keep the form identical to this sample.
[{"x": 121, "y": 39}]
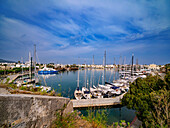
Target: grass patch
[
  {"x": 7, "y": 80},
  {"x": 14, "y": 86},
  {"x": 71, "y": 120},
  {"x": 98, "y": 118}
]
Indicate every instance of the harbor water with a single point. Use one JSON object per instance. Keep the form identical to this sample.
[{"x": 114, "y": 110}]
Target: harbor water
[{"x": 66, "y": 83}]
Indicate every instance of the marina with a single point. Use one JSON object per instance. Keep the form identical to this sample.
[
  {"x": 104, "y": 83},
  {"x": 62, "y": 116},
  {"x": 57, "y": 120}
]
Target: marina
[
  {"x": 87, "y": 87},
  {"x": 66, "y": 83},
  {"x": 84, "y": 64},
  {"x": 99, "y": 89}
]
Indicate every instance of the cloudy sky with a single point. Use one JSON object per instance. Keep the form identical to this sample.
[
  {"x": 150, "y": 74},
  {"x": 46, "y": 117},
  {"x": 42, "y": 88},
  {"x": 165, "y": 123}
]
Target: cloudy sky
[{"x": 64, "y": 30}]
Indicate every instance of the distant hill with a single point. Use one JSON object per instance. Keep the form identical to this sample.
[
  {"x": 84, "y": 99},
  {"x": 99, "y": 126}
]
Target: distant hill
[{"x": 7, "y": 61}]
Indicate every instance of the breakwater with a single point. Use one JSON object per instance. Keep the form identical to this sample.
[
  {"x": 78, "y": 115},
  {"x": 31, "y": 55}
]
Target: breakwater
[{"x": 97, "y": 102}]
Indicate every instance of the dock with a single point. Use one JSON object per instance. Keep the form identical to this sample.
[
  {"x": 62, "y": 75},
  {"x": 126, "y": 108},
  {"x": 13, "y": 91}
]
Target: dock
[
  {"x": 97, "y": 102},
  {"x": 15, "y": 76}
]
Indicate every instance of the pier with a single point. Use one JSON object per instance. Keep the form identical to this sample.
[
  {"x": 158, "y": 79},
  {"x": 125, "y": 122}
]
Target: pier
[
  {"x": 15, "y": 76},
  {"x": 97, "y": 102}
]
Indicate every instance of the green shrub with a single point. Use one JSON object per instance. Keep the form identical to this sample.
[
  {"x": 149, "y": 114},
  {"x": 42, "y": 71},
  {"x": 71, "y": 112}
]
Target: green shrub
[
  {"x": 43, "y": 92},
  {"x": 23, "y": 88},
  {"x": 122, "y": 124},
  {"x": 14, "y": 86},
  {"x": 7, "y": 80},
  {"x": 65, "y": 121},
  {"x": 97, "y": 118}
]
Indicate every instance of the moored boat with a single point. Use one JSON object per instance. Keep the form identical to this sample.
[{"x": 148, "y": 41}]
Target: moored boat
[{"x": 46, "y": 70}]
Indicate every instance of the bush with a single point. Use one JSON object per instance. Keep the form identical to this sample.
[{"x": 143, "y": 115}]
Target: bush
[
  {"x": 14, "y": 86},
  {"x": 7, "y": 80},
  {"x": 97, "y": 118},
  {"x": 66, "y": 121},
  {"x": 150, "y": 98},
  {"x": 43, "y": 92},
  {"x": 122, "y": 124},
  {"x": 23, "y": 88}
]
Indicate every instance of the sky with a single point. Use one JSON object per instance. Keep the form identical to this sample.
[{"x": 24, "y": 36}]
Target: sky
[{"x": 65, "y": 30}]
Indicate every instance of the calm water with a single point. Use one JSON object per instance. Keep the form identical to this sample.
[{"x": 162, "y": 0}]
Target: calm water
[{"x": 66, "y": 83}]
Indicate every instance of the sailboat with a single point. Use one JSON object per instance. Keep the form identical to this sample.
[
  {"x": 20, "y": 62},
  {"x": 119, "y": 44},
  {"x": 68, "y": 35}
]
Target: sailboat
[
  {"x": 107, "y": 88},
  {"x": 78, "y": 93},
  {"x": 96, "y": 91},
  {"x": 85, "y": 90}
]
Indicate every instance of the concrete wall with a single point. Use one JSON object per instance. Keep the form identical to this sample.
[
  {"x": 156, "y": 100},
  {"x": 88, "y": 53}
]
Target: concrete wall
[{"x": 31, "y": 111}]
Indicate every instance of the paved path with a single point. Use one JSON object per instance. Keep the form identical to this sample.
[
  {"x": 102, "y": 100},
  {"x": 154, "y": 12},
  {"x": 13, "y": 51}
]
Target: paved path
[
  {"x": 14, "y": 77},
  {"x": 4, "y": 91}
]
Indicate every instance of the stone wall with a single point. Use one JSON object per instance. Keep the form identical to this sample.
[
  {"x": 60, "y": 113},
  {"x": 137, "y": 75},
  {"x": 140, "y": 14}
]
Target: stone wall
[{"x": 31, "y": 111}]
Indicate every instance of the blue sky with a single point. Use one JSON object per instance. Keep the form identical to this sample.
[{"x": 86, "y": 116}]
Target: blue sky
[{"x": 64, "y": 30}]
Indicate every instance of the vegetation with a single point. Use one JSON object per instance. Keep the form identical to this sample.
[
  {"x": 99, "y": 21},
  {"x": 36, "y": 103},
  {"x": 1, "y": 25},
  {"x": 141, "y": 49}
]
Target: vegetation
[
  {"x": 14, "y": 86},
  {"x": 29, "y": 90},
  {"x": 50, "y": 65},
  {"x": 150, "y": 98},
  {"x": 122, "y": 124},
  {"x": 167, "y": 68},
  {"x": 66, "y": 121},
  {"x": 94, "y": 119},
  {"x": 74, "y": 120},
  {"x": 14, "y": 70},
  {"x": 97, "y": 118},
  {"x": 7, "y": 80}
]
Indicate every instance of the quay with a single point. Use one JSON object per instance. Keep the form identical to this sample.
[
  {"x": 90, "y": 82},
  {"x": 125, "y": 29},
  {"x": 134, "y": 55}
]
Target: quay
[
  {"x": 15, "y": 76},
  {"x": 97, "y": 102}
]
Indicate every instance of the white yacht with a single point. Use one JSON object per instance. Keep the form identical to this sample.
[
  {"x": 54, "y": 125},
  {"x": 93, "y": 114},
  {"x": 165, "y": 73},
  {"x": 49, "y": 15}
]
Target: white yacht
[{"x": 78, "y": 93}]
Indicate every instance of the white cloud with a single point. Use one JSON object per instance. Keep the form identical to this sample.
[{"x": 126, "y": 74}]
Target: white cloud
[{"x": 59, "y": 26}]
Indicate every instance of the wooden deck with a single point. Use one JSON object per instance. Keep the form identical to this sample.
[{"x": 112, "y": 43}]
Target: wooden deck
[{"x": 97, "y": 102}]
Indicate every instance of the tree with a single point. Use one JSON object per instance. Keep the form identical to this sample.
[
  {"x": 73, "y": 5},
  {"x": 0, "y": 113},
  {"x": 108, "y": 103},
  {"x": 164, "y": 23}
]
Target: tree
[
  {"x": 167, "y": 68},
  {"x": 150, "y": 98},
  {"x": 5, "y": 68}
]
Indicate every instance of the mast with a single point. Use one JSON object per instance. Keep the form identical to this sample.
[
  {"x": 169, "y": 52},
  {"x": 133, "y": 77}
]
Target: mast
[
  {"x": 93, "y": 59},
  {"x": 104, "y": 70},
  {"x": 114, "y": 61},
  {"x": 22, "y": 67},
  {"x": 120, "y": 60},
  {"x": 105, "y": 58},
  {"x": 30, "y": 64},
  {"x": 136, "y": 64},
  {"x": 91, "y": 79},
  {"x": 103, "y": 73},
  {"x": 35, "y": 58},
  {"x": 78, "y": 76},
  {"x": 124, "y": 66},
  {"x": 31, "y": 68},
  {"x": 92, "y": 83},
  {"x": 35, "y": 62},
  {"x": 85, "y": 75},
  {"x": 132, "y": 65},
  {"x": 104, "y": 66}
]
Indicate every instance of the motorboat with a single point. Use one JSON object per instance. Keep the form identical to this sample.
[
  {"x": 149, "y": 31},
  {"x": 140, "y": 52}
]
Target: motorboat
[{"x": 46, "y": 70}]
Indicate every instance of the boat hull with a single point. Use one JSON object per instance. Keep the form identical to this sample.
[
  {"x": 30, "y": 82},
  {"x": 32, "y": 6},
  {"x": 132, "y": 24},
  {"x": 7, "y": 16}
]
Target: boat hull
[{"x": 47, "y": 72}]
